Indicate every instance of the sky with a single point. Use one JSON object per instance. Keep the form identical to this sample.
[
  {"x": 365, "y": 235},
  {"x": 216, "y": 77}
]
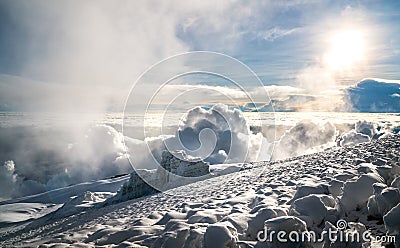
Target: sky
[
  {"x": 85, "y": 55},
  {"x": 99, "y": 56}
]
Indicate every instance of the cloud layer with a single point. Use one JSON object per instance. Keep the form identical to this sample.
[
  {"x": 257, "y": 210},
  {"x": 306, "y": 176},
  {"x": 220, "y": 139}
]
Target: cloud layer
[{"x": 375, "y": 95}]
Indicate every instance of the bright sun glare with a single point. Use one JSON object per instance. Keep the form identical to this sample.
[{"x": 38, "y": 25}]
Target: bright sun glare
[{"x": 347, "y": 48}]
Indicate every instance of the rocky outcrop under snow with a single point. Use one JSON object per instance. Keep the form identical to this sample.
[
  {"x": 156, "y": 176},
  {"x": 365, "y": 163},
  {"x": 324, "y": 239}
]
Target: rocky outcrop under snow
[
  {"x": 174, "y": 167},
  {"x": 180, "y": 164}
]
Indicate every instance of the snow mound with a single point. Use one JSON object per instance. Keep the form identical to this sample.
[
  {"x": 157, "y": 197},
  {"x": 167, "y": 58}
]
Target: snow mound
[
  {"x": 220, "y": 235},
  {"x": 383, "y": 200},
  {"x": 305, "y": 190},
  {"x": 315, "y": 209},
  {"x": 363, "y": 131},
  {"x": 352, "y": 138},
  {"x": 256, "y": 222},
  {"x": 287, "y": 224},
  {"x": 80, "y": 203},
  {"x": 357, "y": 192}
]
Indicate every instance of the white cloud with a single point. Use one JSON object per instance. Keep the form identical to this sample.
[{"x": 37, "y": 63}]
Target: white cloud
[
  {"x": 276, "y": 33},
  {"x": 282, "y": 91},
  {"x": 395, "y": 95},
  {"x": 217, "y": 135},
  {"x": 33, "y": 164},
  {"x": 195, "y": 95}
]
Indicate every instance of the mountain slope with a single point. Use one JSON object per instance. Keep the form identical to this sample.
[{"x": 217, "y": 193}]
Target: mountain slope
[{"x": 313, "y": 191}]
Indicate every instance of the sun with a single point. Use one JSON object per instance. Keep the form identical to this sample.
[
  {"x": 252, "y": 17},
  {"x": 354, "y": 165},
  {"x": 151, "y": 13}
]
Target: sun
[{"x": 347, "y": 49}]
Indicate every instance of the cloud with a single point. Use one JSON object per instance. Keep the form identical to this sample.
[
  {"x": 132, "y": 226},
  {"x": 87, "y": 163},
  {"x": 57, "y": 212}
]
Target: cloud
[
  {"x": 305, "y": 137},
  {"x": 23, "y": 94},
  {"x": 395, "y": 95},
  {"x": 105, "y": 45},
  {"x": 44, "y": 158},
  {"x": 233, "y": 138},
  {"x": 276, "y": 33},
  {"x": 217, "y": 135},
  {"x": 90, "y": 52},
  {"x": 363, "y": 131},
  {"x": 374, "y": 95},
  {"x": 200, "y": 94},
  {"x": 282, "y": 91},
  {"x": 7, "y": 179}
]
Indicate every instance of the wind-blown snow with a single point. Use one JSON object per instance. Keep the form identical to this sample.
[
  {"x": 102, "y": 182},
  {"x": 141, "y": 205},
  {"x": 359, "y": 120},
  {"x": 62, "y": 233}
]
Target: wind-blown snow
[
  {"x": 303, "y": 137},
  {"x": 363, "y": 132}
]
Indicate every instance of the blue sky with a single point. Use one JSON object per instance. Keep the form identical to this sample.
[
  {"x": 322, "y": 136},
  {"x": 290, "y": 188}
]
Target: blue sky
[{"x": 73, "y": 47}]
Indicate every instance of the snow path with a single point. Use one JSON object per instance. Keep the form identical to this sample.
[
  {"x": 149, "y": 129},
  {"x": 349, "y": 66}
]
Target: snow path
[{"x": 197, "y": 205}]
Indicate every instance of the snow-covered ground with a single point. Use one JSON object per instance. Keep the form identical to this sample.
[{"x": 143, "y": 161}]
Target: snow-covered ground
[{"x": 357, "y": 184}]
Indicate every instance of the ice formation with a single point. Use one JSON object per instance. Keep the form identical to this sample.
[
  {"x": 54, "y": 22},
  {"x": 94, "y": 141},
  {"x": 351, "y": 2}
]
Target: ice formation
[
  {"x": 144, "y": 182},
  {"x": 179, "y": 163}
]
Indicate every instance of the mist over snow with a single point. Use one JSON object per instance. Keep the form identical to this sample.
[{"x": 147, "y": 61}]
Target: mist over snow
[
  {"x": 305, "y": 137},
  {"x": 35, "y": 159},
  {"x": 217, "y": 135},
  {"x": 7, "y": 179},
  {"x": 40, "y": 159},
  {"x": 308, "y": 136},
  {"x": 363, "y": 131}
]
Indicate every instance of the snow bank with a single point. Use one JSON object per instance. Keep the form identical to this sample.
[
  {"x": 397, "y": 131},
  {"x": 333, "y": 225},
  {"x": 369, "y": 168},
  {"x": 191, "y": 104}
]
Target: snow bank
[
  {"x": 19, "y": 212},
  {"x": 352, "y": 138},
  {"x": 356, "y": 192},
  {"x": 363, "y": 132},
  {"x": 80, "y": 203},
  {"x": 232, "y": 210},
  {"x": 315, "y": 209}
]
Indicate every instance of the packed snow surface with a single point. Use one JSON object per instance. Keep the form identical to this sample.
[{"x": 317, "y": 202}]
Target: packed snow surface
[{"x": 357, "y": 183}]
